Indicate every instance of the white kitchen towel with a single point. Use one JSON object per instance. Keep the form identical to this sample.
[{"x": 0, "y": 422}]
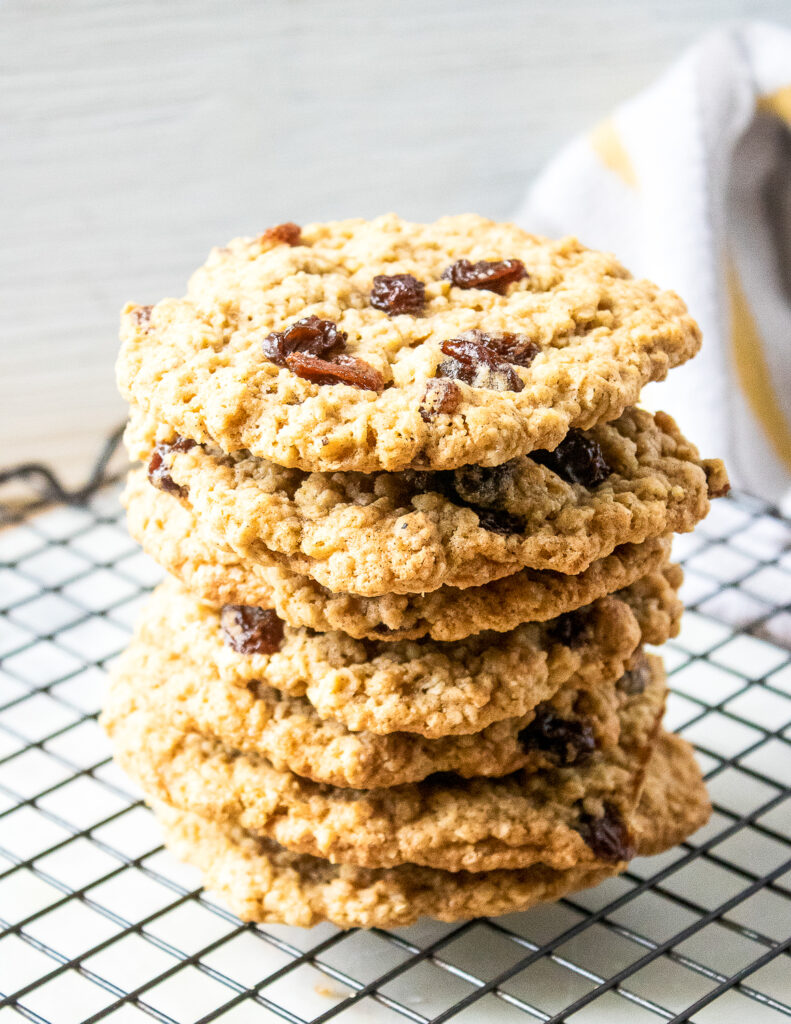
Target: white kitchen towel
[{"x": 689, "y": 183}]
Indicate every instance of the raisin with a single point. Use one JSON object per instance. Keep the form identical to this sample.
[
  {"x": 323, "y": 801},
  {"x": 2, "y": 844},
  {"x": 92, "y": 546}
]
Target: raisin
[
  {"x": 441, "y": 396},
  {"x": 159, "y": 465},
  {"x": 341, "y": 370},
  {"x": 142, "y": 315},
  {"x": 310, "y": 335},
  {"x": 398, "y": 293},
  {"x": 578, "y": 459},
  {"x": 569, "y": 742},
  {"x": 282, "y": 234},
  {"x": 493, "y": 276},
  {"x": 494, "y": 376},
  {"x": 498, "y": 521},
  {"x": 485, "y": 360},
  {"x": 568, "y": 629},
  {"x": 181, "y": 444},
  {"x": 251, "y": 630},
  {"x": 313, "y": 349},
  {"x": 608, "y": 836},
  {"x": 635, "y": 679},
  {"x": 480, "y": 375},
  {"x": 516, "y": 348},
  {"x": 484, "y": 485},
  {"x": 445, "y": 482}
]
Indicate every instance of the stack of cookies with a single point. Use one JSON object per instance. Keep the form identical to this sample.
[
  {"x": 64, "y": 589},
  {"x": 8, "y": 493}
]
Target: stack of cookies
[{"x": 418, "y": 535}]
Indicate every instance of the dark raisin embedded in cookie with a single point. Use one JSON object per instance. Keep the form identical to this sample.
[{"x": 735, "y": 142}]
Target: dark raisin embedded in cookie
[
  {"x": 398, "y": 293},
  {"x": 608, "y": 836},
  {"x": 340, "y": 370},
  {"x": 486, "y": 360},
  {"x": 282, "y": 234},
  {"x": 310, "y": 336},
  {"x": 313, "y": 349},
  {"x": 635, "y": 679},
  {"x": 493, "y": 276},
  {"x": 251, "y": 630},
  {"x": 159, "y": 465},
  {"x": 578, "y": 459},
  {"x": 441, "y": 396},
  {"x": 568, "y": 741},
  {"x": 180, "y": 444},
  {"x": 498, "y": 521},
  {"x": 569, "y": 629},
  {"x": 514, "y": 348},
  {"x": 142, "y": 315},
  {"x": 484, "y": 485},
  {"x": 484, "y": 488}
]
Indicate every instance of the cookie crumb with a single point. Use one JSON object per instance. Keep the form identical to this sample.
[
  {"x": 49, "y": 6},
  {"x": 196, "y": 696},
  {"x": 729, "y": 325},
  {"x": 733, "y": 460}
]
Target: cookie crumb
[{"x": 717, "y": 481}]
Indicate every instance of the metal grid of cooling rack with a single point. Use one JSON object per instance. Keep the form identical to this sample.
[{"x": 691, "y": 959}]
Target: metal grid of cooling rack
[{"x": 98, "y": 922}]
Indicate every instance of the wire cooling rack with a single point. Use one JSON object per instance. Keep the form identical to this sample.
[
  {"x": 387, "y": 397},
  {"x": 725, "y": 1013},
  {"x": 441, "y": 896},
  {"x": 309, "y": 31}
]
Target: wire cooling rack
[{"x": 98, "y": 922}]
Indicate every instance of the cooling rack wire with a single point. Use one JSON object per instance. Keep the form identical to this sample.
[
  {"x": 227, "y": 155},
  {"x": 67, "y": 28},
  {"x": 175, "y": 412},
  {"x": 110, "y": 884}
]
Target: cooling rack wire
[{"x": 99, "y": 922}]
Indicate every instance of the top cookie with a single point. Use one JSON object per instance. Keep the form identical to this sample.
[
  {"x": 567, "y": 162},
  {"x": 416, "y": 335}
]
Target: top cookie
[{"x": 428, "y": 345}]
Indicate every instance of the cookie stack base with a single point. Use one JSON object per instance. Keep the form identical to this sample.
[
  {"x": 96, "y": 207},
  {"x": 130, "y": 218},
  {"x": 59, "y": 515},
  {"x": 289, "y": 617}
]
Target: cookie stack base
[{"x": 263, "y": 882}]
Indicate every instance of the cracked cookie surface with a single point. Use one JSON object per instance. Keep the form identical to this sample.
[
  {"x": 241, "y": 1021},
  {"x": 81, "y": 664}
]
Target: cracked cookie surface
[
  {"x": 217, "y": 367},
  {"x": 261, "y": 881},
  {"x": 425, "y": 687},
  {"x": 562, "y": 817},
  {"x": 170, "y": 532},
  {"x": 395, "y": 533}
]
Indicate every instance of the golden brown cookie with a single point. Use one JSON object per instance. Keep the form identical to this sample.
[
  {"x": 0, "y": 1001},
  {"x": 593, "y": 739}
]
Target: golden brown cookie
[
  {"x": 433, "y": 689},
  {"x": 562, "y": 817},
  {"x": 261, "y": 881},
  {"x": 502, "y": 343},
  {"x": 171, "y": 533},
  {"x": 564, "y": 729},
  {"x": 414, "y": 532}
]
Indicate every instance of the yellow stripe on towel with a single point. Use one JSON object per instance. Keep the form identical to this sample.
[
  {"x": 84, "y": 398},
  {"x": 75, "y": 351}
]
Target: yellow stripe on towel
[
  {"x": 777, "y": 103},
  {"x": 607, "y": 145},
  {"x": 753, "y": 371}
]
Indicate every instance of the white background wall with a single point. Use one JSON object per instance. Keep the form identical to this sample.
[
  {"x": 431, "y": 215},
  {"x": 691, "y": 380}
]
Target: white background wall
[{"x": 135, "y": 134}]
